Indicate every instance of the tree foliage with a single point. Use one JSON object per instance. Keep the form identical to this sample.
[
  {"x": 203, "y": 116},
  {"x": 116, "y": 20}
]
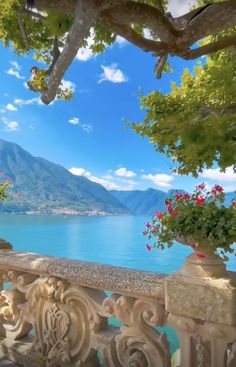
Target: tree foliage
[{"x": 196, "y": 122}]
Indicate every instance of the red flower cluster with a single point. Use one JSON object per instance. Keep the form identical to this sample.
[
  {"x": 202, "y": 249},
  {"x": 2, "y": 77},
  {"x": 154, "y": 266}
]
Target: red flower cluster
[
  {"x": 200, "y": 200},
  {"x": 159, "y": 215},
  {"x": 201, "y": 187},
  {"x": 188, "y": 208},
  {"x": 217, "y": 190}
]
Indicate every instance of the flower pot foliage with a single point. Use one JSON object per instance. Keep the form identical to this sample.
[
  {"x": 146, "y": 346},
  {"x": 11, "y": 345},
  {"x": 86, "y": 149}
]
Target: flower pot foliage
[
  {"x": 201, "y": 218},
  {"x": 5, "y": 186}
]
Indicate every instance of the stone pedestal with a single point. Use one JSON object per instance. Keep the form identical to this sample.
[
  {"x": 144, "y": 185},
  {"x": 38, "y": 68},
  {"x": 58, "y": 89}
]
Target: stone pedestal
[{"x": 202, "y": 310}]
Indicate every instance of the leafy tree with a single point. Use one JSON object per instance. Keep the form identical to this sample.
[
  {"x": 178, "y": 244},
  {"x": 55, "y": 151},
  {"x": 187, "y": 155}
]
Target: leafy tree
[
  {"x": 196, "y": 122},
  {"x": 180, "y": 123}
]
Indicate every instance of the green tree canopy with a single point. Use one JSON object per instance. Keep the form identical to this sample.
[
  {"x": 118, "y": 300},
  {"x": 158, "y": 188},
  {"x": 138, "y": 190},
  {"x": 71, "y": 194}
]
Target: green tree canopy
[{"x": 196, "y": 122}]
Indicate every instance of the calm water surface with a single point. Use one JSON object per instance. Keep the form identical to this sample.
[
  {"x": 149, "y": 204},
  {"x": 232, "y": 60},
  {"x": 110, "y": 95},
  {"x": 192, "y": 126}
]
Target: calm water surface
[{"x": 114, "y": 240}]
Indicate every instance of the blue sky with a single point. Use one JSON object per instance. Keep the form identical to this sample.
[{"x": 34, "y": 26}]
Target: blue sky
[{"x": 87, "y": 135}]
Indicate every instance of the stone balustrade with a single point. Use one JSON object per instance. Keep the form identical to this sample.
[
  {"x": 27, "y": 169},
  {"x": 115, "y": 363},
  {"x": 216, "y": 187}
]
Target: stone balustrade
[{"x": 56, "y": 313}]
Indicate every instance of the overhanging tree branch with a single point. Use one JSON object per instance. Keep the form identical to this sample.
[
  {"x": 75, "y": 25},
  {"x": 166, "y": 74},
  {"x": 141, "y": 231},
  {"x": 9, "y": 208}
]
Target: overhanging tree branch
[
  {"x": 174, "y": 36},
  {"x": 86, "y": 12},
  {"x": 161, "y": 62},
  {"x": 24, "y": 36},
  {"x": 132, "y": 36},
  {"x": 210, "y": 48}
]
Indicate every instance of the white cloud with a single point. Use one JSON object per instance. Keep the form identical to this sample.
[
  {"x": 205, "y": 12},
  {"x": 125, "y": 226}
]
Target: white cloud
[
  {"x": 180, "y": 7},
  {"x": 74, "y": 121},
  {"x": 123, "y": 172},
  {"x": 215, "y": 174},
  {"x": 106, "y": 181},
  {"x": 10, "y": 125},
  {"x": 15, "y": 65},
  {"x": 87, "y": 128},
  {"x": 15, "y": 73},
  {"x": 15, "y": 70},
  {"x": 67, "y": 84},
  {"x": 85, "y": 53},
  {"x": 112, "y": 74},
  {"x": 160, "y": 179},
  {"x": 26, "y": 102},
  {"x": 109, "y": 185},
  {"x": 121, "y": 41},
  {"x": 11, "y": 107}
]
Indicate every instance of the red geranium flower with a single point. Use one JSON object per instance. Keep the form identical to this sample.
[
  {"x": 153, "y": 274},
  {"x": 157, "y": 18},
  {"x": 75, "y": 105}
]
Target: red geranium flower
[
  {"x": 159, "y": 215},
  {"x": 199, "y": 200},
  {"x": 201, "y": 186},
  {"x": 148, "y": 247},
  {"x": 178, "y": 196},
  {"x": 148, "y": 225},
  {"x": 217, "y": 190},
  {"x": 186, "y": 196}
]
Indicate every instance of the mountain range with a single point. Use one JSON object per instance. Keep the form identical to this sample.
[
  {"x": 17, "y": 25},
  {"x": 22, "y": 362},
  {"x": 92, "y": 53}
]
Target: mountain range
[{"x": 50, "y": 188}]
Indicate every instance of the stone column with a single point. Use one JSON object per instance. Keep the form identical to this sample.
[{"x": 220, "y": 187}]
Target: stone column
[{"x": 202, "y": 310}]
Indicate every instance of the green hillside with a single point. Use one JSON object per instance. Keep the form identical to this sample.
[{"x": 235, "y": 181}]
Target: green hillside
[{"x": 48, "y": 187}]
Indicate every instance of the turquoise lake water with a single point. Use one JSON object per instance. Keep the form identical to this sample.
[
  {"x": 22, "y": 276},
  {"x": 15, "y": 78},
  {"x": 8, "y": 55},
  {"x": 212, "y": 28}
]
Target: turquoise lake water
[{"x": 116, "y": 240}]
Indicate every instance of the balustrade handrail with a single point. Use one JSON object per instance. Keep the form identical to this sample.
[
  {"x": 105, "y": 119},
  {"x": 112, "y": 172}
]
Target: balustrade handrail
[{"x": 93, "y": 275}]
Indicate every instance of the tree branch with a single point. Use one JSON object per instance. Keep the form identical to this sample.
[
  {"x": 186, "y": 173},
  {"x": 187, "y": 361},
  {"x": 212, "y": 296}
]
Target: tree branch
[
  {"x": 55, "y": 55},
  {"x": 210, "y": 48},
  {"x": 149, "y": 16},
  {"x": 22, "y": 28},
  {"x": 86, "y": 12},
  {"x": 130, "y": 35},
  {"x": 215, "y": 18},
  {"x": 160, "y": 66}
]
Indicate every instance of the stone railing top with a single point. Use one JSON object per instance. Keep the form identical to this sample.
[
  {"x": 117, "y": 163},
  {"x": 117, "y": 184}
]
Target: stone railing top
[{"x": 93, "y": 275}]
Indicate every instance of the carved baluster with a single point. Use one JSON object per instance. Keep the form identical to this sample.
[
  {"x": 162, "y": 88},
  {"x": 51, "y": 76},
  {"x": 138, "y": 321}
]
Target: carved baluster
[
  {"x": 12, "y": 304},
  {"x": 138, "y": 344},
  {"x": 203, "y": 344}
]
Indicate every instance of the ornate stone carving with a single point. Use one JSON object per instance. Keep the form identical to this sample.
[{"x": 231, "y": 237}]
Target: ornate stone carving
[
  {"x": 138, "y": 344},
  {"x": 65, "y": 318}
]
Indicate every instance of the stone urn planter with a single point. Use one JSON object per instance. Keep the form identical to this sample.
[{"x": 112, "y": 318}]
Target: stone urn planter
[{"x": 204, "y": 262}]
